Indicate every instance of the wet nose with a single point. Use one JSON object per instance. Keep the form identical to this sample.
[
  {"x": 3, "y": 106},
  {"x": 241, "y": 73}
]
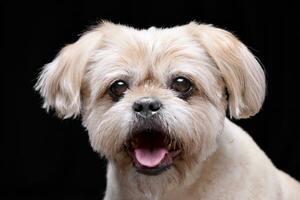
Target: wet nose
[{"x": 147, "y": 106}]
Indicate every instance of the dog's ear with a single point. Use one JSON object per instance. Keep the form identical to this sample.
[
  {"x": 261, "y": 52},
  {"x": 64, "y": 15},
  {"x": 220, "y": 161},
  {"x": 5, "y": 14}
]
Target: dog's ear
[
  {"x": 242, "y": 73},
  {"x": 60, "y": 81}
]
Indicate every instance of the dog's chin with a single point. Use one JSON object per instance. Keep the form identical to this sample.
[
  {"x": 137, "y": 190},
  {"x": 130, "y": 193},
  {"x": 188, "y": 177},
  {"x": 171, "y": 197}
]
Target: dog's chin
[{"x": 152, "y": 152}]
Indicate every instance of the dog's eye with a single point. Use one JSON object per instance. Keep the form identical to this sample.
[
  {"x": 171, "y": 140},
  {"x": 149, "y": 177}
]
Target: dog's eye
[
  {"x": 182, "y": 85},
  {"x": 117, "y": 89}
]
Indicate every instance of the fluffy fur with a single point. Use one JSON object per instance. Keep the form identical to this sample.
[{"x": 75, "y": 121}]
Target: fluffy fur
[{"x": 218, "y": 159}]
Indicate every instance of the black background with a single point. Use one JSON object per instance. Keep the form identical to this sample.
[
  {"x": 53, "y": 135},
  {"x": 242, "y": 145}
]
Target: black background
[{"x": 42, "y": 157}]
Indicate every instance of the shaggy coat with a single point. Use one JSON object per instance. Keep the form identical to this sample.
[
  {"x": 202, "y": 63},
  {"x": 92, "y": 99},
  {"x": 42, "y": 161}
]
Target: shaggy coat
[{"x": 217, "y": 160}]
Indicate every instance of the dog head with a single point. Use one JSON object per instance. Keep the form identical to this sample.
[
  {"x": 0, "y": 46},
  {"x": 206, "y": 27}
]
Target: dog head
[{"x": 154, "y": 101}]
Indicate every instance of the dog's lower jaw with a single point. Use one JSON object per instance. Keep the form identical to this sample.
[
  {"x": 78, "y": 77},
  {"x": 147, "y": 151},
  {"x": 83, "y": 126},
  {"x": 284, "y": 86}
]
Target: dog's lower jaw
[
  {"x": 237, "y": 170},
  {"x": 128, "y": 184}
]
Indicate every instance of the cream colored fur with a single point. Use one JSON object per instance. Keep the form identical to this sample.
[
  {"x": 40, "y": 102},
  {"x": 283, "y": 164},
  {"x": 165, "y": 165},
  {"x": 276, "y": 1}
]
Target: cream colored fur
[{"x": 219, "y": 161}]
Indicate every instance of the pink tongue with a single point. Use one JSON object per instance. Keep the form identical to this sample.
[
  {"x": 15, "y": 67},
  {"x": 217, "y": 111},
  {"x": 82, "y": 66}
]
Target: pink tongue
[{"x": 150, "y": 158}]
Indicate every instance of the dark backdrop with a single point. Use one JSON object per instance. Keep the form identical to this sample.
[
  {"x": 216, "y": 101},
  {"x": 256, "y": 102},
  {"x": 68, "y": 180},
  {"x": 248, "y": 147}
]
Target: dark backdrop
[{"x": 42, "y": 157}]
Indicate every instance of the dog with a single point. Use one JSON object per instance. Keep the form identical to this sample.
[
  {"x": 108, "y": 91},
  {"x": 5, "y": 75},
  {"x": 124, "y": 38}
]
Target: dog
[{"x": 157, "y": 105}]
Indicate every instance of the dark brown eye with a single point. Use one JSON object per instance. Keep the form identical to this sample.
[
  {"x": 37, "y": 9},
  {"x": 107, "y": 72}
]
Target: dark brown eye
[
  {"x": 117, "y": 89},
  {"x": 182, "y": 85}
]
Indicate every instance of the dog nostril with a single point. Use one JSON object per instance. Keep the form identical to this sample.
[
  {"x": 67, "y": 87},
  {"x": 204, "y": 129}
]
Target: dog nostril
[
  {"x": 137, "y": 107},
  {"x": 155, "y": 106}
]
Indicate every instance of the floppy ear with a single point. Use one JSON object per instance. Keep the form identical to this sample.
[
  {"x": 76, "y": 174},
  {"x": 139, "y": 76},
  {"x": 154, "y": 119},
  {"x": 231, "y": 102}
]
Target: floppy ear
[
  {"x": 243, "y": 75},
  {"x": 60, "y": 81}
]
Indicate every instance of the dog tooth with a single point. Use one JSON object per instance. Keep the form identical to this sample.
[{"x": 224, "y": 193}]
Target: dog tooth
[
  {"x": 169, "y": 146},
  {"x": 133, "y": 143}
]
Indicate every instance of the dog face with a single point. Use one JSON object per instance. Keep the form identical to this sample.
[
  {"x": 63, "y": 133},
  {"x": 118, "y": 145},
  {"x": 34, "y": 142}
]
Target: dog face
[{"x": 154, "y": 101}]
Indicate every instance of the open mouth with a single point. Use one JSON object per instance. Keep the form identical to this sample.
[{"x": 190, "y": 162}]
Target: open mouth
[{"x": 152, "y": 152}]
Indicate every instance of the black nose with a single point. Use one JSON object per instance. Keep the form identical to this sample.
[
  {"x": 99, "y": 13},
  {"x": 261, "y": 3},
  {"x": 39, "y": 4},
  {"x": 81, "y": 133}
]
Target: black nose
[{"x": 146, "y": 106}]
